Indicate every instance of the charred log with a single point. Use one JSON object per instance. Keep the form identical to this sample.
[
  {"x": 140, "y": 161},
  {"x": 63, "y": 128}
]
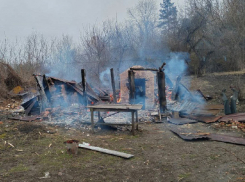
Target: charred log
[
  {"x": 161, "y": 91},
  {"x": 131, "y": 87},
  {"x": 83, "y": 74},
  {"x": 113, "y": 86}
]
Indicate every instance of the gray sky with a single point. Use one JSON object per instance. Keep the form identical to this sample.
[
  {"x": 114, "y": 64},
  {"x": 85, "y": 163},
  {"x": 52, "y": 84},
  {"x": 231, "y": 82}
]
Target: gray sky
[{"x": 20, "y": 18}]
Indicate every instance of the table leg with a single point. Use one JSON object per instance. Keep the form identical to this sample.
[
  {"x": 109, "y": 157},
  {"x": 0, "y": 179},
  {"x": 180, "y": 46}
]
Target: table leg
[
  {"x": 92, "y": 119},
  {"x": 133, "y": 124},
  {"x": 137, "y": 120}
]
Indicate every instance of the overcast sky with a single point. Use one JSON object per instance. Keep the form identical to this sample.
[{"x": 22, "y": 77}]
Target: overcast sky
[{"x": 20, "y": 18}]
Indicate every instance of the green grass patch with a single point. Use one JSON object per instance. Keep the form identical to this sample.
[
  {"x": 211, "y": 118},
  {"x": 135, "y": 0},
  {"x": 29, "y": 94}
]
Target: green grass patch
[
  {"x": 53, "y": 159},
  {"x": 2, "y": 136},
  {"x": 19, "y": 168},
  {"x": 214, "y": 157},
  {"x": 185, "y": 175},
  {"x": 192, "y": 156},
  {"x": 137, "y": 158}
]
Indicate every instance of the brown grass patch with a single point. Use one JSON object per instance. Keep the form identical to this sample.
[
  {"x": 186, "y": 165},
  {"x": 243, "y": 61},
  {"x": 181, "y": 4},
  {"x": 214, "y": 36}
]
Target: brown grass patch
[{"x": 241, "y": 72}]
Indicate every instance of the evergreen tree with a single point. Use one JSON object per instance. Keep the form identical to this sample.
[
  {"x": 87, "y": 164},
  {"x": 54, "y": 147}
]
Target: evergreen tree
[{"x": 168, "y": 15}]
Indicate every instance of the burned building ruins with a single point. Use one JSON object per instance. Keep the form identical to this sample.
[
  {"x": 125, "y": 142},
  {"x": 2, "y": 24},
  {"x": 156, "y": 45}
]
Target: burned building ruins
[{"x": 144, "y": 87}]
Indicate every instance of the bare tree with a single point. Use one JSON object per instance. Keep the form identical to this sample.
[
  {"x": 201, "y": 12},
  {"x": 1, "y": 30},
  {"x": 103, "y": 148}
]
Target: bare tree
[
  {"x": 95, "y": 47},
  {"x": 198, "y": 32},
  {"x": 143, "y": 19}
]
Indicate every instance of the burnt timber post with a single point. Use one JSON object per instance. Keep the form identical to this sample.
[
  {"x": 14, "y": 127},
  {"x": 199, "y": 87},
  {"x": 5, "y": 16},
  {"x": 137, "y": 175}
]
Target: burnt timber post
[
  {"x": 113, "y": 86},
  {"x": 83, "y": 74},
  {"x": 161, "y": 90},
  {"x": 44, "y": 100},
  {"x": 46, "y": 88},
  {"x": 131, "y": 87}
]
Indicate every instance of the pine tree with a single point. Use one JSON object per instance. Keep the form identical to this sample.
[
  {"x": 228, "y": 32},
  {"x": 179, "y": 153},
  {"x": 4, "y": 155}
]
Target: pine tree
[{"x": 168, "y": 15}]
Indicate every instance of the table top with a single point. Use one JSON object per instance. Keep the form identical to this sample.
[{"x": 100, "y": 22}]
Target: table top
[{"x": 117, "y": 106}]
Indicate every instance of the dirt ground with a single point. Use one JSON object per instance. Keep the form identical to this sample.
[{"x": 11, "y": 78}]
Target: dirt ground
[{"x": 159, "y": 155}]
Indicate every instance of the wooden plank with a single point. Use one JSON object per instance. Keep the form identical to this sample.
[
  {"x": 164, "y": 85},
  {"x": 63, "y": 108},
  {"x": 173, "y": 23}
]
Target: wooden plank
[
  {"x": 110, "y": 123},
  {"x": 113, "y": 110},
  {"x": 143, "y": 69},
  {"x": 107, "y": 151},
  {"x": 27, "y": 111},
  {"x": 116, "y": 106}
]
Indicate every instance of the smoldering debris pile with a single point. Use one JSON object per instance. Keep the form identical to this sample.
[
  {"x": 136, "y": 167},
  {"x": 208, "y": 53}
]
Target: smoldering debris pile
[
  {"x": 57, "y": 93},
  {"x": 61, "y": 102},
  {"x": 58, "y": 100}
]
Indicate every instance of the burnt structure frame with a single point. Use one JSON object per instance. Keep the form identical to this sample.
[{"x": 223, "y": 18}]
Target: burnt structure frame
[{"x": 160, "y": 76}]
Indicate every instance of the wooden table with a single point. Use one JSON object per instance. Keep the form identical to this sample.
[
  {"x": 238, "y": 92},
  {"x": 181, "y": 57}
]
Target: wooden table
[{"x": 117, "y": 108}]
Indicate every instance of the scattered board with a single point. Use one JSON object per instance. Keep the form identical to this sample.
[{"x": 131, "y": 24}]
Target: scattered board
[{"x": 107, "y": 151}]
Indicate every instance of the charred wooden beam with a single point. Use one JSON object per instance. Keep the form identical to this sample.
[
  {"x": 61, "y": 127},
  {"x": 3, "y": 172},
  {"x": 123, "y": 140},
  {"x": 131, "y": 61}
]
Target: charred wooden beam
[
  {"x": 46, "y": 88},
  {"x": 143, "y": 69},
  {"x": 101, "y": 92},
  {"x": 32, "y": 103},
  {"x": 83, "y": 74},
  {"x": 131, "y": 87},
  {"x": 160, "y": 68},
  {"x": 54, "y": 79},
  {"x": 113, "y": 86},
  {"x": 161, "y": 91},
  {"x": 90, "y": 93},
  {"x": 200, "y": 92},
  {"x": 42, "y": 92},
  {"x": 105, "y": 98}
]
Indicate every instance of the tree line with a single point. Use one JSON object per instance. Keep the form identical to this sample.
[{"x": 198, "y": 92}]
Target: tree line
[{"x": 212, "y": 32}]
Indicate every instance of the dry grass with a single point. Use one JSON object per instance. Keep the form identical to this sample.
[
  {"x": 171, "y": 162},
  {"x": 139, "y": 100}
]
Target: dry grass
[
  {"x": 241, "y": 72},
  {"x": 8, "y": 79},
  {"x": 157, "y": 155}
]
